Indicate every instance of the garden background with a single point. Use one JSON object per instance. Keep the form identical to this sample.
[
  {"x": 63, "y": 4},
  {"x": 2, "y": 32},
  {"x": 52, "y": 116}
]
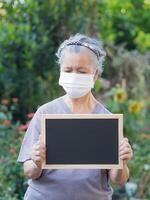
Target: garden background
[{"x": 30, "y": 33}]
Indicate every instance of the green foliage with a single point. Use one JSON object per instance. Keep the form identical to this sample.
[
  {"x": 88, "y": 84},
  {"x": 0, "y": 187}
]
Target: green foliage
[
  {"x": 125, "y": 22},
  {"x": 140, "y": 166},
  {"x": 137, "y": 129},
  {"x": 97, "y": 86},
  {"x": 26, "y": 54},
  {"x": 12, "y": 181},
  {"x": 130, "y": 69},
  {"x": 134, "y": 111},
  {"x": 30, "y": 32}
]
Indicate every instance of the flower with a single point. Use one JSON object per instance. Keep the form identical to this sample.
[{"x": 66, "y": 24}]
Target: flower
[
  {"x": 22, "y": 127},
  {"x": 14, "y": 99},
  {"x": 120, "y": 95},
  {"x": 5, "y": 101},
  {"x": 12, "y": 151},
  {"x": 30, "y": 115},
  {"x": 134, "y": 107},
  {"x": 145, "y": 136},
  {"x": 6, "y": 122},
  {"x": 2, "y": 161},
  {"x": 2, "y": 12}
]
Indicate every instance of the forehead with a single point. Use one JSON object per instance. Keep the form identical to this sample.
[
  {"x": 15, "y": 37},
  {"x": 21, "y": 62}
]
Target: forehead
[{"x": 76, "y": 59}]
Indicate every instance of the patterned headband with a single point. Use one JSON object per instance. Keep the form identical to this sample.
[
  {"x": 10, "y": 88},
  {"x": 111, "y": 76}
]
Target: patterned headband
[{"x": 98, "y": 52}]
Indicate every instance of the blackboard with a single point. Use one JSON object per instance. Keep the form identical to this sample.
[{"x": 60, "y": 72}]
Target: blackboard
[{"x": 82, "y": 141}]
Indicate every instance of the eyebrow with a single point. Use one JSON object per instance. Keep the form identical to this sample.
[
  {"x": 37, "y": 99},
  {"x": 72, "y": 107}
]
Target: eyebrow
[{"x": 78, "y": 67}]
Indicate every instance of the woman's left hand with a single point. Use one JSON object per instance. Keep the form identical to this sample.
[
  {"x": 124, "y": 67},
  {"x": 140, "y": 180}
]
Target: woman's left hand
[{"x": 125, "y": 151}]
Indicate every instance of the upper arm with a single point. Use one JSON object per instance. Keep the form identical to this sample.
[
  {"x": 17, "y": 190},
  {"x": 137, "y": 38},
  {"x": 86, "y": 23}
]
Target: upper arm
[{"x": 30, "y": 137}]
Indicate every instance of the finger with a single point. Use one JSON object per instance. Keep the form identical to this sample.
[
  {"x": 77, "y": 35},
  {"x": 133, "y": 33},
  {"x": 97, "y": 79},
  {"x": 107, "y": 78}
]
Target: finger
[
  {"x": 124, "y": 145},
  {"x": 125, "y": 139},
  {"x": 42, "y": 147},
  {"x": 42, "y": 152},
  {"x": 125, "y": 148},
  {"x": 37, "y": 153},
  {"x": 38, "y": 149},
  {"x": 130, "y": 153},
  {"x": 125, "y": 157},
  {"x": 43, "y": 157},
  {"x": 124, "y": 152},
  {"x": 124, "y": 142},
  {"x": 37, "y": 159}
]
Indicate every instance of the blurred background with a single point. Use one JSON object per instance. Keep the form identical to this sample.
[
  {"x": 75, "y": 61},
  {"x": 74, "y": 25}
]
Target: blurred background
[{"x": 30, "y": 33}]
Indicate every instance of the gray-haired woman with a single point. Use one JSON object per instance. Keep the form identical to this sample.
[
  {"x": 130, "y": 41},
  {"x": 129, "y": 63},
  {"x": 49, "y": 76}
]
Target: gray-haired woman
[{"x": 80, "y": 59}]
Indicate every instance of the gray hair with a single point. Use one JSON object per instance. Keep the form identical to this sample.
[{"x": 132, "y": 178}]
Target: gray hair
[{"x": 78, "y": 42}]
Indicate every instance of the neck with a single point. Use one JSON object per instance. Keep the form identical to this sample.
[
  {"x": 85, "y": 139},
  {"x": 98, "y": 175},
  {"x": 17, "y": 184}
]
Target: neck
[{"x": 81, "y": 105}]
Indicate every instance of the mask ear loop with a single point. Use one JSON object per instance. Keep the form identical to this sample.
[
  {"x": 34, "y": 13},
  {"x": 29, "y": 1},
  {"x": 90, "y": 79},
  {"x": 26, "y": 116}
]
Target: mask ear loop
[{"x": 94, "y": 73}]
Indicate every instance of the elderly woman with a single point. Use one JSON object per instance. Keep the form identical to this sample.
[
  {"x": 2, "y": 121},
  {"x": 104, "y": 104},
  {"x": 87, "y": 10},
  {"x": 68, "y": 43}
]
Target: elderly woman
[{"x": 80, "y": 59}]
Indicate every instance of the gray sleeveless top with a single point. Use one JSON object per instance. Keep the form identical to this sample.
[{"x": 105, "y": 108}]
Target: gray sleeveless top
[{"x": 62, "y": 184}]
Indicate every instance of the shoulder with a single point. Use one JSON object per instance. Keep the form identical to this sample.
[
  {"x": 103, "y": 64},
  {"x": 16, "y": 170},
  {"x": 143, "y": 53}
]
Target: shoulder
[
  {"x": 49, "y": 107},
  {"x": 102, "y": 109}
]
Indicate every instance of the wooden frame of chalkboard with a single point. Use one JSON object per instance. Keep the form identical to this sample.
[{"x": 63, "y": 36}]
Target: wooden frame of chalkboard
[{"x": 82, "y": 141}]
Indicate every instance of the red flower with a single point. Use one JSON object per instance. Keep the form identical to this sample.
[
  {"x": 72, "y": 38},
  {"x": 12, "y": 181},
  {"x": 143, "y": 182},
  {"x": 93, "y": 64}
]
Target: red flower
[
  {"x": 15, "y": 99},
  {"x": 22, "y": 127},
  {"x": 2, "y": 161},
  {"x": 30, "y": 115},
  {"x": 5, "y": 101},
  {"x": 6, "y": 122},
  {"x": 12, "y": 151},
  {"x": 146, "y": 137}
]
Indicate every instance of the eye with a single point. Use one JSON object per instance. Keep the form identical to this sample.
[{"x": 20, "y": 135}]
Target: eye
[
  {"x": 67, "y": 70},
  {"x": 82, "y": 72}
]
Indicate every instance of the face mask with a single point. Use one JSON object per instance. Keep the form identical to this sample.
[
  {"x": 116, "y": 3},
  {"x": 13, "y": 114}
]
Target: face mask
[{"x": 76, "y": 85}]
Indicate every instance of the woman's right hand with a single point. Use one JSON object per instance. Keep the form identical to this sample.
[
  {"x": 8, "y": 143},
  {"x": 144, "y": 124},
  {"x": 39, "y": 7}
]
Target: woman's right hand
[{"x": 38, "y": 153}]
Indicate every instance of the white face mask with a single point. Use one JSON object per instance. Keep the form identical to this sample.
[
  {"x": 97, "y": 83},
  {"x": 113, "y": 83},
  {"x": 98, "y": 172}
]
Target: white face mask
[{"x": 76, "y": 85}]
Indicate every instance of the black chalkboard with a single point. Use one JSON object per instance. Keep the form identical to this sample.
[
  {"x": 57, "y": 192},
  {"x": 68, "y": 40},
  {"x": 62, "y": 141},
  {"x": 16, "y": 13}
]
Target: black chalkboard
[{"x": 82, "y": 141}]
